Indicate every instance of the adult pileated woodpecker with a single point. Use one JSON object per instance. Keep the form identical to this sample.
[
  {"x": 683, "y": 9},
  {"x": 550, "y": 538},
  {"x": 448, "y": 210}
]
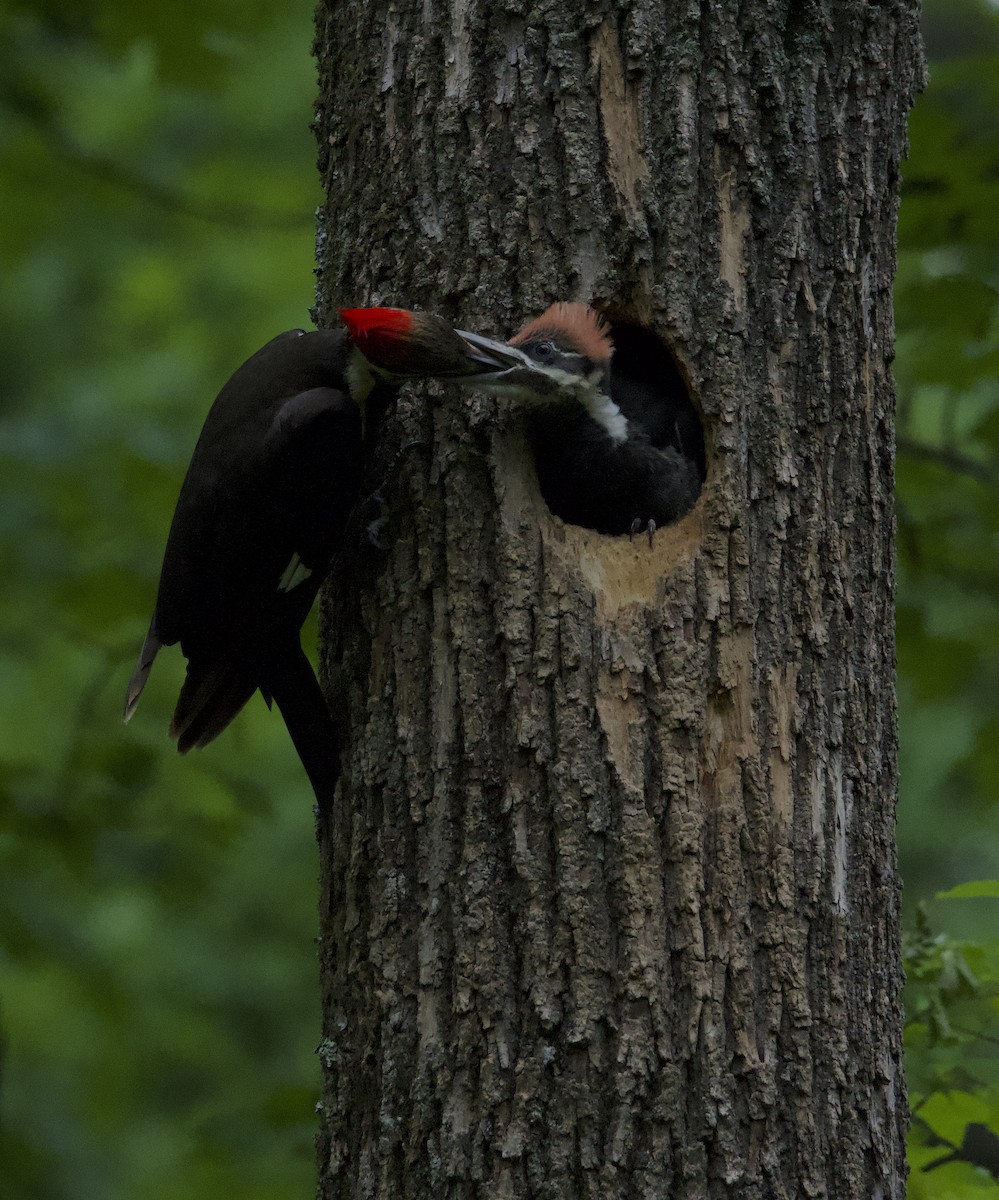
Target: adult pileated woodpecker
[
  {"x": 262, "y": 510},
  {"x": 618, "y": 446}
]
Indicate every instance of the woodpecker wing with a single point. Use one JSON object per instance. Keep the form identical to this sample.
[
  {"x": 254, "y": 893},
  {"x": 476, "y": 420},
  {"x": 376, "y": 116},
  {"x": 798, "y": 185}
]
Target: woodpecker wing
[
  {"x": 229, "y": 404},
  {"x": 267, "y": 458},
  {"x": 264, "y": 502},
  {"x": 262, "y": 510},
  {"x": 249, "y": 550},
  {"x": 150, "y": 648}
]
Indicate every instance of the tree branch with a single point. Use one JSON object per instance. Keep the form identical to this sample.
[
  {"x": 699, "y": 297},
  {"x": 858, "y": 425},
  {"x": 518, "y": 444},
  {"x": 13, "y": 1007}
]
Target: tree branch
[
  {"x": 962, "y": 464},
  {"x": 41, "y": 116}
]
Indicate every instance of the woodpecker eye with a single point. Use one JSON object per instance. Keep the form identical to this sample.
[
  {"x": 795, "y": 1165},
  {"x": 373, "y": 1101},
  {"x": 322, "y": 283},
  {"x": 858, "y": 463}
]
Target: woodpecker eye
[{"x": 543, "y": 350}]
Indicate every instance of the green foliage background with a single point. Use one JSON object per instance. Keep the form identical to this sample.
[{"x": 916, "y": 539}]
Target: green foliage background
[{"x": 158, "y": 989}]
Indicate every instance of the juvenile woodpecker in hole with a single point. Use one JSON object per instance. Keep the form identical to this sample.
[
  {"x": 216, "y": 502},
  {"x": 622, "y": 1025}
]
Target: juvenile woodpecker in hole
[
  {"x": 617, "y": 448},
  {"x": 263, "y": 508}
]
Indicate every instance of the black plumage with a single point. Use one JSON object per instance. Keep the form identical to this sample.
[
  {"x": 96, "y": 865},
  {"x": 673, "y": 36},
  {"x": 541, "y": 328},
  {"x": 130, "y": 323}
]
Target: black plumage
[
  {"x": 262, "y": 511},
  {"x": 588, "y": 479},
  {"x": 595, "y": 469}
]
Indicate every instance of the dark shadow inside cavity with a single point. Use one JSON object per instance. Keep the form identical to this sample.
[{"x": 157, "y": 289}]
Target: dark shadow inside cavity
[
  {"x": 652, "y": 478},
  {"x": 644, "y": 372}
]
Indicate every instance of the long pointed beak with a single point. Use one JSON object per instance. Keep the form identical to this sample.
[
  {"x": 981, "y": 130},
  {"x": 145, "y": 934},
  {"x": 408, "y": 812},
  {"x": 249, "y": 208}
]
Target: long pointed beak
[
  {"x": 502, "y": 369},
  {"x": 489, "y": 358}
]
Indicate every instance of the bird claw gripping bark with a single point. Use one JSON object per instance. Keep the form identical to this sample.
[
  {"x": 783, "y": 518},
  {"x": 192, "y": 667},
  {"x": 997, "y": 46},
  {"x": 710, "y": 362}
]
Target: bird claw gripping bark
[
  {"x": 609, "y": 437},
  {"x": 650, "y": 529}
]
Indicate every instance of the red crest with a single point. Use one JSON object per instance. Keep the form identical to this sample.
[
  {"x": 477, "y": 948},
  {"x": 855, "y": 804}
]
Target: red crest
[{"x": 377, "y": 332}]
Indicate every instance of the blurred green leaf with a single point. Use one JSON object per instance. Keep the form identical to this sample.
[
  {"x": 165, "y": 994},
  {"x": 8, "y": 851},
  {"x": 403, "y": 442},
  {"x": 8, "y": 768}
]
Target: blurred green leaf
[
  {"x": 158, "y": 1006},
  {"x": 970, "y": 891}
]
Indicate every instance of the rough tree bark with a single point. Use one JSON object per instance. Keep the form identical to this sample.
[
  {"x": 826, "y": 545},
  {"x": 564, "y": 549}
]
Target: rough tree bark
[{"x": 610, "y": 905}]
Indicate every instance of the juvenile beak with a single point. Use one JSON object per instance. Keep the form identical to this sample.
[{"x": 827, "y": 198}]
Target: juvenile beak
[
  {"x": 489, "y": 357},
  {"x": 504, "y": 369}
]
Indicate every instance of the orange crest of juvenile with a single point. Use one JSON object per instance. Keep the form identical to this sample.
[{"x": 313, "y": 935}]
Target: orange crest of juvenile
[{"x": 577, "y": 325}]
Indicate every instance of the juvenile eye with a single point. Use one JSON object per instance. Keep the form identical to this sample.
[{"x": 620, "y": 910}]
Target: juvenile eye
[{"x": 544, "y": 350}]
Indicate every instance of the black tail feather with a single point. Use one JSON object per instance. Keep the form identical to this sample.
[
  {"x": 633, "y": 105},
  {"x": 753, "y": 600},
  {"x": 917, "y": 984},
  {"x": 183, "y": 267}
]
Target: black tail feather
[
  {"x": 212, "y": 695},
  {"x": 288, "y": 677}
]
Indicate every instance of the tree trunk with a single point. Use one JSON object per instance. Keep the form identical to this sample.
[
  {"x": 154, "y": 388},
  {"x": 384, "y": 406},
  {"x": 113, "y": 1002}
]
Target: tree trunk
[{"x": 610, "y": 906}]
